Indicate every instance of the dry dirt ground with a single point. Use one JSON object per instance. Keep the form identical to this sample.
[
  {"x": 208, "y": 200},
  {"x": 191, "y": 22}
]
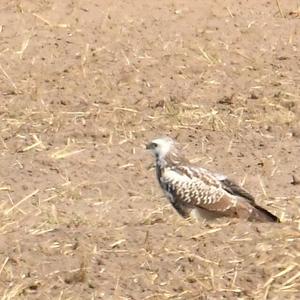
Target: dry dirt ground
[{"x": 84, "y": 85}]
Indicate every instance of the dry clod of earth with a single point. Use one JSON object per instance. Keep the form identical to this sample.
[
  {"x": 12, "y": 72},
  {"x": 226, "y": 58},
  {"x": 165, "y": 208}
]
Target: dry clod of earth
[{"x": 84, "y": 85}]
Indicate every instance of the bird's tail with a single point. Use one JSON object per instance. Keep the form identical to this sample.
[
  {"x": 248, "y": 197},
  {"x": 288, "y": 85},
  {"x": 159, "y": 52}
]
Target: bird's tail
[{"x": 262, "y": 215}]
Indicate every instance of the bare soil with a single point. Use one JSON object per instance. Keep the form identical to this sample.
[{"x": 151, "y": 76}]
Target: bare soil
[{"x": 84, "y": 85}]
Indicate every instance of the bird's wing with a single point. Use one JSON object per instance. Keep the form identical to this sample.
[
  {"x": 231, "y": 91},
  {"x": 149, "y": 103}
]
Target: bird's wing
[
  {"x": 234, "y": 189},
  {"x": 198, "y": 187},
  {"x": 227, "y": 184}
]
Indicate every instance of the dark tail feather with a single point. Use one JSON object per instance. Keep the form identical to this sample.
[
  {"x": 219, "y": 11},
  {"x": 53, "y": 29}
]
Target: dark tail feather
[{"x": 262, "y": 215}]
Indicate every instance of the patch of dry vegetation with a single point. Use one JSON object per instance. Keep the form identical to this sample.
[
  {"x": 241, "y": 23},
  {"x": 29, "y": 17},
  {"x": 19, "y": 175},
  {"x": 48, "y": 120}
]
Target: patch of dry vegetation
[{"x": 81, "y": 216}]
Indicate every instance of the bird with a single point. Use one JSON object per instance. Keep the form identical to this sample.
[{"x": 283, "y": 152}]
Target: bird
[{"x": 196, "y": 192}]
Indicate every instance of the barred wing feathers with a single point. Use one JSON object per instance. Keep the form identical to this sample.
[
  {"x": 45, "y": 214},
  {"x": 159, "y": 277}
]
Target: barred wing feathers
[{"x": 198, "y": 187}]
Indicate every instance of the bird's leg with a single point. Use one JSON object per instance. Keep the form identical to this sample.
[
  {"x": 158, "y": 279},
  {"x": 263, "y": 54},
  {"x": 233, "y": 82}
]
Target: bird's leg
[{"x": 182, "y": 209}]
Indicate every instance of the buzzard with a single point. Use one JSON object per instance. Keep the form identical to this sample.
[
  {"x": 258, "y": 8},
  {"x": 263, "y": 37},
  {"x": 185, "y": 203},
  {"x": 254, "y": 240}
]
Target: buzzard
[{"x": 196, "y": 191}]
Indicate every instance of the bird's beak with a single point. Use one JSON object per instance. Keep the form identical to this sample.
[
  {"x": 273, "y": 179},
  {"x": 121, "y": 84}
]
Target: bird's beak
[{"x": 149, "y": 146}]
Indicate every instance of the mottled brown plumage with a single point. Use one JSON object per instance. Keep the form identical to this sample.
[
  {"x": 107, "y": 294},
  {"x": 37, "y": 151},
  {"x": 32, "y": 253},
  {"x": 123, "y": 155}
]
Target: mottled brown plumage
[{"x": 191, "y": 188}]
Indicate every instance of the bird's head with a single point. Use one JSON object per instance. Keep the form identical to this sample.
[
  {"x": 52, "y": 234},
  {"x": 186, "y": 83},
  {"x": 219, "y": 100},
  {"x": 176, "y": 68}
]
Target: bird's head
[{"x": 161, "y": 147}]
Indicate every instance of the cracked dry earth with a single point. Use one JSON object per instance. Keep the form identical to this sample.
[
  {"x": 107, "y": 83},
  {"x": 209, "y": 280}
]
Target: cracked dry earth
[{"x": 84, "y": 85}]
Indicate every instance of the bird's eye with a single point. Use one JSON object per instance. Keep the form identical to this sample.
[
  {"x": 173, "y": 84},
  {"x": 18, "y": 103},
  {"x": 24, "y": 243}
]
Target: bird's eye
[{"x": 154, "y": 145}]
